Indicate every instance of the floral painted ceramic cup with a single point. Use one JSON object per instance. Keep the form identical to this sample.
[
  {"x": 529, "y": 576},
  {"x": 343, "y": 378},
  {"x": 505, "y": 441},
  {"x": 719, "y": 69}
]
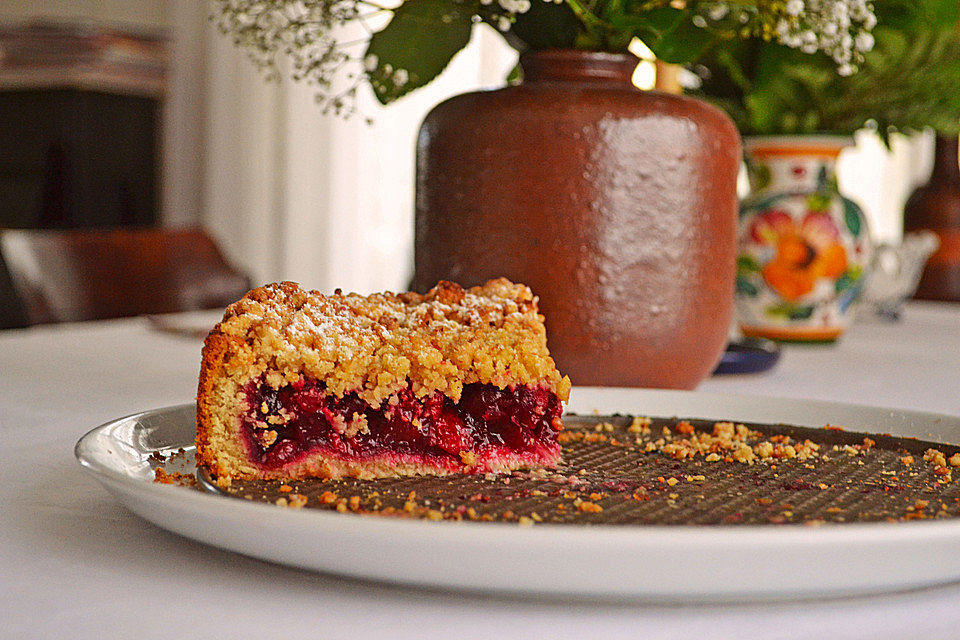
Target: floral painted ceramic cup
[{"x": 803, "y": 247}]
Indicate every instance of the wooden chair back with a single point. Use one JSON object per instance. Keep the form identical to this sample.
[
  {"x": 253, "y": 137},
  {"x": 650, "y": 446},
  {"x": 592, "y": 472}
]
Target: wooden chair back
[{"x": 75, "y": 275}]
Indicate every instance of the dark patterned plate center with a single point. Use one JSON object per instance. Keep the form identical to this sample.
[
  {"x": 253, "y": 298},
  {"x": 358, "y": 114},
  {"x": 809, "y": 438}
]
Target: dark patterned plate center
[{"x": 619, "y": 470}]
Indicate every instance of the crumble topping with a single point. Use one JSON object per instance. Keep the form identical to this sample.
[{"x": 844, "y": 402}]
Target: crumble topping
[
  {"x": 939, "y": 461},
  {"x": 727, "y": 441},
  {"x": 161, "y": 476},
  {"x": 375, "y": 344}
]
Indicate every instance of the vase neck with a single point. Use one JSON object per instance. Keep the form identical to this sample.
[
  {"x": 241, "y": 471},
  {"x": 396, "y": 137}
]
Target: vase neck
[
  {"x": 793, "y": 166},
  {"x": 946, "y": 162},
  {"x": 573, "y": 65}
]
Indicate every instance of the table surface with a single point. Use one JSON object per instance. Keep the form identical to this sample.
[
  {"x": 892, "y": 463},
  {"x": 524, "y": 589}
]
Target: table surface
[{"x": 74, "y": 562}]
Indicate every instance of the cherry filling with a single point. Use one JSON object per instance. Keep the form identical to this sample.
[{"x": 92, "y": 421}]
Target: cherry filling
[{"x": 286, "y": 424}]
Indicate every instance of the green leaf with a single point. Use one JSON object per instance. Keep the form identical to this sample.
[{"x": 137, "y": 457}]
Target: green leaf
[
  {"x": 683, "y": 42},
  {"x": 906, "y": 83},
  {"x": 844, "y": 282},
  {"x": 801, "y": 313},
  {"x": 657, "y": 23},
  {"x": 779, "y": 310},
  {"x": 823, "y": 179},
  {"x": 746, "y": 265},
  {"x": 942, "y": 12},
  {"x": 747, "y": 288},
  {"x": 899, "y": 15},
  {"x": 790, "y": 310},
  {"x": 852, "y": 216},
  {"x": 546, "y": 25},
  {"x": 417, "y": 44},
  {"x": 759, "y": 174},
  {"x": 516, "y": 75},
  {"x": 767, "y": 202},
  {"x": 818, "y": 201}
]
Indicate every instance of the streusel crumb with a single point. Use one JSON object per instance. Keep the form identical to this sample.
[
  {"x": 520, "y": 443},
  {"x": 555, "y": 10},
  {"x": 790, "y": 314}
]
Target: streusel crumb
[{"x": 439, "y": 341}]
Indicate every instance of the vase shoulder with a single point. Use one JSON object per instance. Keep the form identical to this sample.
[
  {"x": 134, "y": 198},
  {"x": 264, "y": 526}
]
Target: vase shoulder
[
  {"x": 792, "y": 164},
  {"x": 599, "y": 105},
  {"x": 576, "y": 92}
]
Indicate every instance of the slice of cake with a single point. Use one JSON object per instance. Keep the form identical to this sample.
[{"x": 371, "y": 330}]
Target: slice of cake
[{"x": 295, "y": 384}]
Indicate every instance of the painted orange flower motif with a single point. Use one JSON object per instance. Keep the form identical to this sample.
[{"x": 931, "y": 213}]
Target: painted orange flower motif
[{"x": 803, "y": 254}]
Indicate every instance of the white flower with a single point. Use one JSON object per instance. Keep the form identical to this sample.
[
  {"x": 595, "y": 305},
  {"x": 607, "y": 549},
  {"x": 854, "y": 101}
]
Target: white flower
[
  {"x": 296, "y": 11},
  {"x": 863, "y": 42},
  {"x": 791, "y": 40},
  {"x": 400, "y": 77},
  {"x": 794, "y": 7},
  {"x": 838, "y": 28},
  {"x": 370, "y": 62},
  {"x": 718, "y": 11},
  {"x": 514, "y": 6}
]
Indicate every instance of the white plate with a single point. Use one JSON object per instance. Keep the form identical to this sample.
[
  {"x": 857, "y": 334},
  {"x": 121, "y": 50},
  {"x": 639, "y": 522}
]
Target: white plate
[{"x": 666, "y": 563}]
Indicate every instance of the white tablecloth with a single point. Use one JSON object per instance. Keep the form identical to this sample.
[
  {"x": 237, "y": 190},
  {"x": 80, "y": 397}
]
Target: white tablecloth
[{"x": 73, "y": 563}]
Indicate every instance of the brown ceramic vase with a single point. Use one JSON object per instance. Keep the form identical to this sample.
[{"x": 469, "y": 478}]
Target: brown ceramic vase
[
  {"x": 616, "y": 206},
  {"x": 936, "y": 206}
]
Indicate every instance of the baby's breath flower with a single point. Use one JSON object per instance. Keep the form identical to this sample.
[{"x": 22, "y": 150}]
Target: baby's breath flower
[
  {"x": 302, "y": 31},
  {"x": 515, "y": 6},
  {"x": 305, "y": 32},
  {"x": 717, "y": 11},
  {"x": 838, "y": 28},
  {"x": 510, "y": 8}
]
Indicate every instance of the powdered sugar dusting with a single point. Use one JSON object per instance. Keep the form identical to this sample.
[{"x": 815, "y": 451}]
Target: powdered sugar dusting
[{"x": 375, "y": 344}]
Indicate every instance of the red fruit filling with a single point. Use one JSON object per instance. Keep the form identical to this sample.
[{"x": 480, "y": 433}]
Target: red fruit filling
[{"x": 285, "y": 424}]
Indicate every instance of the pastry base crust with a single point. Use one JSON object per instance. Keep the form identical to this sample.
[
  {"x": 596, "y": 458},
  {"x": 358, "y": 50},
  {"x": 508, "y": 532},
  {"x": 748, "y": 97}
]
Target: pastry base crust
[{"x": 396, "y": 465}]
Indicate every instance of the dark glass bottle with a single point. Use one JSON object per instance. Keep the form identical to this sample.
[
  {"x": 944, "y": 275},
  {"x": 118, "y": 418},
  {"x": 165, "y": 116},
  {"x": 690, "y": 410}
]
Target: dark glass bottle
[{"x": 936, "y": 206}]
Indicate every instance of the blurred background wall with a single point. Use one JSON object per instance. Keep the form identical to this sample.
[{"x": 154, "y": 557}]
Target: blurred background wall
[{"x": 292, "y": 194}]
